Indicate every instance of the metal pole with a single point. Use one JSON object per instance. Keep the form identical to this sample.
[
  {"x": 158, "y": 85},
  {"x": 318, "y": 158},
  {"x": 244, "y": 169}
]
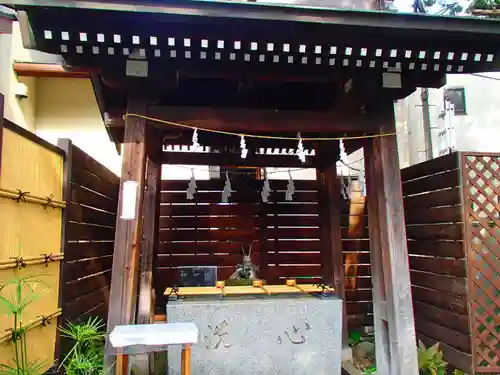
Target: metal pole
[{"x": 424, "y": 95}]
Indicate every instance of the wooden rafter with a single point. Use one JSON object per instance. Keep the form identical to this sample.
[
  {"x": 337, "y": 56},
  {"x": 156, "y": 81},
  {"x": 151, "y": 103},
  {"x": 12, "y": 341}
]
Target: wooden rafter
[{"x": 24, "y": 69}]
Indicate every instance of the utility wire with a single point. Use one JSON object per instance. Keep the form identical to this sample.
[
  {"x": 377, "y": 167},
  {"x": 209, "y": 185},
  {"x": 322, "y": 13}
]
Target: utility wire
[{"x": 487, "y": 77}]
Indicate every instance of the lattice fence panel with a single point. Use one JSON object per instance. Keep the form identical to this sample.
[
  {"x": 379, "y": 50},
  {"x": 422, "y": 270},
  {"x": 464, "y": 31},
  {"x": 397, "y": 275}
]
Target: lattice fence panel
[{"x": 482, "y": 190}]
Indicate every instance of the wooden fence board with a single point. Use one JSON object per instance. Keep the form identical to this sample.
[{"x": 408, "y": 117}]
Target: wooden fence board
[
  {"x": 89, "y": 236},
  {"x": 437, "y": 165},
  {"x": 438, "y": 181},
  {"x": 90, "y": 198},
  {"x": 435, "y": 232},
  {"x": 85, "y": 250},
  {"x": 92, "y": 182},
  {"x": 86, "y": 162},
  {"x": 74, "y": 289},
  {"x": 218, "y": 184},
  {"x": 446, "y": 318},
  {"x": 84, "y": 268},
  {"x": 441, "y": 300},
  {"x": 446, "y": 284},
  {"x": 452, "y": 267},
  {"x": 445, "y": 197},
  {"x": 84, "y": 214},
  {"x": 78, "y": 307},
  {"x": 446, "y": 214},
  {"x": 452, "y": 249},
  {"x": 89, "y": 232},
  {"x": 440, "y": 333}
]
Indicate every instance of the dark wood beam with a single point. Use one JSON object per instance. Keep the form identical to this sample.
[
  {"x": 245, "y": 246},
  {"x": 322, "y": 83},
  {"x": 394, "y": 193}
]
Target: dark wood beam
[
  {"x": 97, "y": 86},
  {"x": 24, "y": 69},
  {"x": 392, "y": 297},
  {"x": 226, "y": 160},
  {"x": 124, "y": 280},
  {"x": 265, "y": 120}
]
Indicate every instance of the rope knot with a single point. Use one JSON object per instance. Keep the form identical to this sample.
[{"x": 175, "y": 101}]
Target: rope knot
[
  {"x": 324, "y": 288},
  {"x": 47, "y": 258},
  {"x": 50, "y": 202},
  {"x": 15, "y": 334},
  {"x": 174, "y": 290},
  {"x": 21, "y": 196},
  {"x": 46, "y": 320},
  {"x": 20, "y": 263}
]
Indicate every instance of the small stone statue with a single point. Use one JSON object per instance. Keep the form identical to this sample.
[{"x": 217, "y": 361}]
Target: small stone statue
[{"x": 246, "y": 270}]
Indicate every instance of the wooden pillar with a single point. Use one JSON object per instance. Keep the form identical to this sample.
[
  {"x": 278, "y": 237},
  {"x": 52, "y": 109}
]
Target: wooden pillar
[
  {"x": 332, "y": 261},
  {"x": 150, "y": 211},
  {"x": 396, "y": 348},
  {"x": 124, "y": 279},
  {"x": 150, "y": 217}
]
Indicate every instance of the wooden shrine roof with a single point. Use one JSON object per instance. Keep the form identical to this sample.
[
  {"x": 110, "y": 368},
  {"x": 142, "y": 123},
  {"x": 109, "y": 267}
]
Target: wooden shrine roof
[
  {"x": 250, "y": 55},
  {"x": 267, "y": 38}
]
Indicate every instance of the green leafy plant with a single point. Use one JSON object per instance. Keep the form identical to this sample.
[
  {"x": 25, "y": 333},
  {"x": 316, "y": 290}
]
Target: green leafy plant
[
  {"x": 430, "y": 360},
  {"x": 15, "y": 297},
  {"x": 371, "y": 370},
  {"x": 86, "y": 356},
  {"x": 354, "y": 338}
]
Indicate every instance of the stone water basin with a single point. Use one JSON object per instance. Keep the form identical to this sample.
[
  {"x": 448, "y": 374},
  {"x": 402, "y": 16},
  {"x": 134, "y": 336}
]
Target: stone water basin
[{"x": 261, "y": 334}]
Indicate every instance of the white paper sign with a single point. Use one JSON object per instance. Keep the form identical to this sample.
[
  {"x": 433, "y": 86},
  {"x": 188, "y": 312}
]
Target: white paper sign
[{"x": 129, "y": 200}]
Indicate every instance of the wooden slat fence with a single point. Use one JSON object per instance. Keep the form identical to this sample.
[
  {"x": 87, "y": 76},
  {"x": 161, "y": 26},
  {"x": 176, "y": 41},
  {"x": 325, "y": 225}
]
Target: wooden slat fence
[
  {"x": 31, "y": 206},
  {"x": 89, "y": 233},
  {"x": 452, "y": 216},
  {"x": 434, "y": 225},
  {"x": 286, "y": 237}
]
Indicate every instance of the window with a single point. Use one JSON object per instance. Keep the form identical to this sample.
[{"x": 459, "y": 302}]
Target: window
[{"x": 456, "y": 95}]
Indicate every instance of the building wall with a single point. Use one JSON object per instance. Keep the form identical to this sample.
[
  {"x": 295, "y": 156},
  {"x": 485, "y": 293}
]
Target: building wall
[
  {"x": 20, "y": 111},
  {"x": 67, "y": 108},
  {"x": 54, "y": 107},
  {"x": 477, "y": 130}
]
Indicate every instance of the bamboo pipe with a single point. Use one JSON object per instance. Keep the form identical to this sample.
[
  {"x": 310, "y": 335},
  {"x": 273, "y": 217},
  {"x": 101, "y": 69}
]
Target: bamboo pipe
[
  {"x": 33, "y": 324},
  {"x": 14, "y": 262},
  {"x": 31, "y": 198}
]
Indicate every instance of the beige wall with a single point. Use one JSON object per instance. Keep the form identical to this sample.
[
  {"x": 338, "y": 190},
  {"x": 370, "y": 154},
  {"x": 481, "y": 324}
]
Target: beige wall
[{"x": 67, "y": 108}]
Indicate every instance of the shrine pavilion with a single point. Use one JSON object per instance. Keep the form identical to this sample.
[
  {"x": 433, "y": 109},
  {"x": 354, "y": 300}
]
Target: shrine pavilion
[{"x": 272, "y": 71}]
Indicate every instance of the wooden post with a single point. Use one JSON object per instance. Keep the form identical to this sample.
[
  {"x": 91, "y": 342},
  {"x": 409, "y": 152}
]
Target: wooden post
[
  {"x": 149, "y": 234},
  {"x": 264, "y": 245},
  {"x": 124, "y": 279},
  {"x": 150, "y": 217},
  {"x": 394, "y": 321},
  {"x": 332, "y": 260},
  {"x": 186, "y": 360},
  {"x": 378, "y": 286},
  {"x": 67, "y": 146}
]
